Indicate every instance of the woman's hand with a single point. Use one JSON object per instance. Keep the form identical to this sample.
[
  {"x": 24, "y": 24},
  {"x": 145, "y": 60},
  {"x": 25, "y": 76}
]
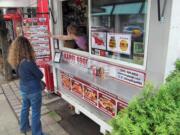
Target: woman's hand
[
  {"x": 60, "y": 37},
  {"x": 50, "y": 35},
  {"x": 55, "y": 36}
]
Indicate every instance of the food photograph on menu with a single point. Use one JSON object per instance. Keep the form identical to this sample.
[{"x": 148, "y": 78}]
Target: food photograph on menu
[
  {"x": 120, "y": 43},
  {"x": 99, "y": 40},
  {"x": 77, "y": 88},
  {"x": 66, "y": 82},
  {"x": 107, "y": 104},
  {"x": 120, "y": 106},
  {"x": 90, "y": 95}
]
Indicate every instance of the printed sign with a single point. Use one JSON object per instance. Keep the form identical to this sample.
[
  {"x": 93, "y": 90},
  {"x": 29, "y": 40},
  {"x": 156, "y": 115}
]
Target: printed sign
[
  {"x": 75, "y": 59},
  {"x": 107, "y": 104},
  {"x": 90, "y": 95},
  {"x": 77, "y": 88},
  {"x": 120, "y": 43},
  {"x": 130, "y": 76},
  {"x": 138, "y": 48},
  {"x": 102, "y": 99},
  {"x": 121, "y": 105},
  {"x": 99, "y": 40},
  {"x": 127, "y": 75},
  {"x": 66, "y": 82}
]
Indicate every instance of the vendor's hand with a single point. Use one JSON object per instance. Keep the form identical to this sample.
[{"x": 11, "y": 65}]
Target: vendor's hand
[{"x": 49, "y": 34}]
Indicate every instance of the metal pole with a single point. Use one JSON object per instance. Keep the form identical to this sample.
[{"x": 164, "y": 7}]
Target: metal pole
[{"x": 159, "y": 10}]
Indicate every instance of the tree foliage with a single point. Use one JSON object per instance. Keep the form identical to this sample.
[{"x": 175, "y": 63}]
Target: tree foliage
[{"x": 154, "y": 112}]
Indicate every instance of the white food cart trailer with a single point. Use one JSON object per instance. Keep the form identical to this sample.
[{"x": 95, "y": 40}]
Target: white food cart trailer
[{"x": 130, "y": 41}]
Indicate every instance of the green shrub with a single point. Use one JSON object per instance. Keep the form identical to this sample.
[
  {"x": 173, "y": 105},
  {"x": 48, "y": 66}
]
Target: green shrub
[
  {"x": 154, "y": 112},
  {"x": 176, "y": 72}
]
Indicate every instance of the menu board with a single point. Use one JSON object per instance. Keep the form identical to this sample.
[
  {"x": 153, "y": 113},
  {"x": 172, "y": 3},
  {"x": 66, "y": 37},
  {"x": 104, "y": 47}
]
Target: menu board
[
  {"x": 77, "y": 88},
  {"x": 37, "y": 33},
  {"x": 120, "y": 43},
  {"x": 99, "y": 98},
  {"x": 107, "y": 104},
  {"x": 90, "y": 95}
]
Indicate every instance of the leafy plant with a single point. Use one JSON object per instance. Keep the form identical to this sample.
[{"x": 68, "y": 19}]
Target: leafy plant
[
  {"x": 154, "y": 112},
  {"x": 176, "y": 72}
]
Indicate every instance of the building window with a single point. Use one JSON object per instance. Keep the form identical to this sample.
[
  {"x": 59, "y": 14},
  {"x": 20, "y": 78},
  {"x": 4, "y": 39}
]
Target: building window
[
  {"x": 118, "y": 29},
  {"x": 75, "y": 13}
]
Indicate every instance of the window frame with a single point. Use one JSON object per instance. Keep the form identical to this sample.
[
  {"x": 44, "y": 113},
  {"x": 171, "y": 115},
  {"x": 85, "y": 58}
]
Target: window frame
[
  {"x": 121, "y": 62},
  {"x": 106, "y": 59}
]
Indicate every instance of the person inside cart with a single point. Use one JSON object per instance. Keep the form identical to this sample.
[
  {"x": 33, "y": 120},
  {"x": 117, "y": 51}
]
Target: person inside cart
[
  {"x": 73, "y": 34},
  {"x": 22, "y": 58}
]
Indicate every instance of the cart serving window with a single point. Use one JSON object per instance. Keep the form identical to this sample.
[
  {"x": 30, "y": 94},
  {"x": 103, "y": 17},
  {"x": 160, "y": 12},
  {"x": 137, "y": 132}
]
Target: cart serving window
[
  {"x": 118, "y": 29},
  {"x": 75, "y": 24}
]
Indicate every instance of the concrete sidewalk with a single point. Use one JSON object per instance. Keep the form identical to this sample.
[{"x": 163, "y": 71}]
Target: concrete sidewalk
[
  {"x": 8, "y": 121},
  {"x": 10, "y": 106}
]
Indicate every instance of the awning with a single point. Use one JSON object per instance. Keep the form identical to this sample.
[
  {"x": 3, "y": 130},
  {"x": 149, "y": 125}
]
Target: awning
[
  {"x": 122, "y": 9},
  {"x": 18, "y": 3}
]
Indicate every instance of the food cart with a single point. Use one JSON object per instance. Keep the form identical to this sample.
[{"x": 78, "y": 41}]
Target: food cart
[{"x": 130, "y": 41}]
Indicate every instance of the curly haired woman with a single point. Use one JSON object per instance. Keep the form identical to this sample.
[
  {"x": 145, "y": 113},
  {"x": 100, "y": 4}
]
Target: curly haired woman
[{"x": 21, "y": 57}]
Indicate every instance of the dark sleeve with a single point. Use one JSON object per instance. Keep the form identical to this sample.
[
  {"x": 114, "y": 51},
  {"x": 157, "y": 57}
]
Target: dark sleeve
[{"x": 34, "y": 70}]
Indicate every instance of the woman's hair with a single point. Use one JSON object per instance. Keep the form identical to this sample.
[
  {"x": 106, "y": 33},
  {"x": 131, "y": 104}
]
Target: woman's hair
[
  {"x": 72, "y": 29},
  {"x": 20, "y": 49}
]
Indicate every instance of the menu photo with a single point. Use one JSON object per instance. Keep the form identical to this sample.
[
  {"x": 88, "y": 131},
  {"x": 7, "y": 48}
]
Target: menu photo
[
  {"x": 107, "y": 104},
  {"x": 66, "y": 82},
  {"x": 121, "y": 105},
  {"x": 90, "y": 95},
  {"x": 120, "y": 43},
  {"x": 99, "y": 40},
  {"x": 77, "y": 88}
]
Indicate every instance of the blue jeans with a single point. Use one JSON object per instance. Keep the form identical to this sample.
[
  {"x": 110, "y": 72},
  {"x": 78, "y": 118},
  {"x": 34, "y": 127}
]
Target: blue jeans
[{"x": 35, "y": 101}]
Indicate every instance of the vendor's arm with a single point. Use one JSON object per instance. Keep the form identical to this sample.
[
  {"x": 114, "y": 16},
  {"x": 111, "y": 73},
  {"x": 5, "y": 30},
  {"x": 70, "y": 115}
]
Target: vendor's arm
[{"x": 62, "y": 37}]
